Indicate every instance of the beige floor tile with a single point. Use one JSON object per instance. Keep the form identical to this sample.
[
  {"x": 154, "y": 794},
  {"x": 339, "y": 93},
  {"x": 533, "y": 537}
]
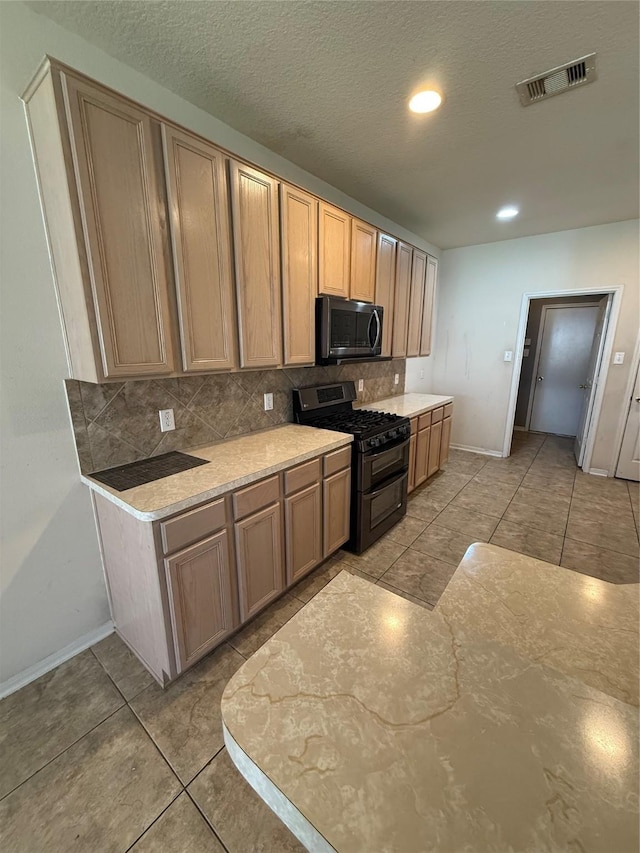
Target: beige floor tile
[
  {"x": 443, "y": 544},
  {"x": 181, "y": 829},
  {"x": 615, "y": 491},
  {"x": 501, "y": 474},
  {"x": 319, "y": 578},
  {"x": 259, "y": 630},
  {"x": 420, "y": 575},
  {"x": 407, "y": 530},
  {"x": 426, "y": 508},
  {"x": 487, "y": 498},
  {"x": 542, "y": 519},
  {"x": 597, "y": 509},
  {"x": 526, "y": 540},
  {"x": 412, "y": 598},
  {"x": 375, "y": 560},
  {"x": 465, "y": 462},
  {"x": 241, "y": 819},
  {"x": 467, "y": 521},
  {"x": 99, "y": 795},
  {"x": 604, "y": 534},
  {"x": 184, "y": 719},
  {"x": 122, "y": 666},
  {"x": 599, "y": 562},
  {"x": 541, "y": 498},
  {"x": 562, "y": 485},
  {"x": 47, "y": 716}
]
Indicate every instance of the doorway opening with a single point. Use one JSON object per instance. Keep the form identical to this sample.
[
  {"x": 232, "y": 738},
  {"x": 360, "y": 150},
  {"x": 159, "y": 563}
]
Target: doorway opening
[{"x": 562, "y": 358}]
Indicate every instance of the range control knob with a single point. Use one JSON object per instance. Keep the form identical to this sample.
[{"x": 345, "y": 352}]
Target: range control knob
[{"x": 374, "y": 442}]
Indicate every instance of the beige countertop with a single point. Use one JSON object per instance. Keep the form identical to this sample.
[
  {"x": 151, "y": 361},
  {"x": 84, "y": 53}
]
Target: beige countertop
[
  {"x": 407, "y": 405},
  {"x": 234, "y": 462},
  {"x": 368, "y": 723}
]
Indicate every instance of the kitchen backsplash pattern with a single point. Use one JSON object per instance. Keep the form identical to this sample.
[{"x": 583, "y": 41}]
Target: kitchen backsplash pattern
[{"x": 118, "y": 423}]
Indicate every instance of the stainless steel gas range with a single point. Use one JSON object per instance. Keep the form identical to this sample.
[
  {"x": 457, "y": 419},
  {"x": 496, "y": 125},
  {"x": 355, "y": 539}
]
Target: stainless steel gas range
[{"x": 380, "y": 458}]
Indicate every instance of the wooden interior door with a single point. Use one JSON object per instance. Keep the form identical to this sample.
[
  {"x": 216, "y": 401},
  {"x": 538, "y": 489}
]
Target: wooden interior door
[
  {"x": 427, "y": 310},
  {"x": 121, "y": 203},
  {"x": 200, "y": 235},
  {"x": 299, "y": 235},
  {"x": 385, "y": 286},
  {"x": 260, "y": 559},
  {"x": 629, "y": 461},
  {"x": 434, "y": 448},
  {"x": 404, "y": 256},
  {"x": 363, "y": 261},
  {"x": 334, "y": 251},
  {"x": 422, "y": 455},
  {"x": 303, "y": 531},
  {"x": 201, "y": 598},
  {"x": 256, "y": 245},
  {"x": 416, "y": 302},
  {"x": 336, "y": 510}
]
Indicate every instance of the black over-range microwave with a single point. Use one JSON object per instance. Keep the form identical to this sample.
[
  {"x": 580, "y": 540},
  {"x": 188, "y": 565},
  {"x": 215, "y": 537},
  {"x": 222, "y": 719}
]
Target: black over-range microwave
[{"x": 348, "y": 330}]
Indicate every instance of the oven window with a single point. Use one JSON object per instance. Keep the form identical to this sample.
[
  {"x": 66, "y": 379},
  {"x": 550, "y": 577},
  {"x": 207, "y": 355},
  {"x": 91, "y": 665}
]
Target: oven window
[
  {"x": 389, "y": 500},
  {"x": 388, "y": 462},
  {"x": 349, "y": 329}
]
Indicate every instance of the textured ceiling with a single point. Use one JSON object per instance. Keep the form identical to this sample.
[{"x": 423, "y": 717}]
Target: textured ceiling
[{"x": 325, "y": 85}]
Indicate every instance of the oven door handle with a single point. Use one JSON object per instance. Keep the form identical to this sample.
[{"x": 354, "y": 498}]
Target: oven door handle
[
  {"x": 398, "y": 446},
  {"x": 371, "y": 495}
]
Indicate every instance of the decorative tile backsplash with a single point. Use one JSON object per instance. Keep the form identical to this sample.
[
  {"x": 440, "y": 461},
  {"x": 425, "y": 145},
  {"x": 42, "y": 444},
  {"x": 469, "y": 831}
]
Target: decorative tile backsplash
[{"x": 118, "y": 423}]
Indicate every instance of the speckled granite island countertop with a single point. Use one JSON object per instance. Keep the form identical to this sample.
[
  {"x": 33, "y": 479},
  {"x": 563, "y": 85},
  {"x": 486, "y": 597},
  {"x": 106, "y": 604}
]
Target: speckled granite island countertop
[
  {"x": 234, "y": 463},
  {"x": 369, "y": 724},
  {"x": 407, "y": 405}
]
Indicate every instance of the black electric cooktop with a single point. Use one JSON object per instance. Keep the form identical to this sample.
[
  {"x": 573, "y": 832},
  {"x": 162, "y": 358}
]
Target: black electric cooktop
[{"x": 147, "y": 470}]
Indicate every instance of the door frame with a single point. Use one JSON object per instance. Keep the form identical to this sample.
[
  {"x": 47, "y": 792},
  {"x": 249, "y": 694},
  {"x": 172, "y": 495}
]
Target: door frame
[
  {"x": 616, "y": 290},
  {"x": 631, "y": 381},
  {"x": 536, "y": 360}
]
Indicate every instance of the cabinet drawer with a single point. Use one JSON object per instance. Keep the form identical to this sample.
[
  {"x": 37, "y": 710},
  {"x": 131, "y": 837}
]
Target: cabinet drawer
[
  {"x": 192, "y": 526},
  {"x": 414, "y": 425},
  {"x": 436, "y": 415},
  {"x": 301, "y": 476},
  {"x": 448, "y": 409},
  {"x": 424, "y": 421},
  {"x": 256, "y": 496},
  {"x": 337, "y": 460}
]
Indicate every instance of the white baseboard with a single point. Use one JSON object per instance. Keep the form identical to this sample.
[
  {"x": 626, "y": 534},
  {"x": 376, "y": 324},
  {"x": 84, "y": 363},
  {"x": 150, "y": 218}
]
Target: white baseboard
[
  {"x": 32, "y": 672},
  {"x": 598, "y": 472},
  {"x": 520, "y": 429},
  {"x": 482, "y": 450}
]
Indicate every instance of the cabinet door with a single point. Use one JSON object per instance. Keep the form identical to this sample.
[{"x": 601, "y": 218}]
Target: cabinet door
[
  {"x": 427, "y": 311},
  {"x": 299, "y": 234},
  {"x": 336, "y": 510},
  {"x": 385, "y": 286},
  {"x": 334, "y": 251},
  {"x": 201, "y": 598},
  {"x": 199, "y": 218},
  {"x": 422, "y": 455},
  {"x": 363, "y": 261},
  {"x": 122, "y": 209},
  {"x": 256, "y": 247},
  {"x": 445, "y": 442},
  {"x": 303, "y": 531},
  {"x": 434, "y": 448},
  {"x": 412, "y": 463},
  {"x": 416, "y": 302},
  {"x": 260, "y": 559},
  {"x": 404, "y": 256}
]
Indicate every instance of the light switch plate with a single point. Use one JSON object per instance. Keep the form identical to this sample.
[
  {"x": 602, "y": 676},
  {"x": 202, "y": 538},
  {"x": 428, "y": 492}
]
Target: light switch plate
[
  {"x": 167, "y": 421},
  {"x": 268, "y": 402},
  {"x": 360, "y": 384},
  {"x": 508, "y": 355},
  {"x": 396, "y": 378},
  {"x": 618, "y": 358}
]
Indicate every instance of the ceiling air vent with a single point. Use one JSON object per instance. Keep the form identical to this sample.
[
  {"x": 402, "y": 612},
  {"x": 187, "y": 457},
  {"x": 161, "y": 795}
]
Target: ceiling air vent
[{"x": 557, "y": 80}]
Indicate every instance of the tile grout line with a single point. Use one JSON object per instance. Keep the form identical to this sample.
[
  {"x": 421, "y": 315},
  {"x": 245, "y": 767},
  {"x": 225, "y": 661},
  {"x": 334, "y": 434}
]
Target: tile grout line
[
  {"x": 203, "y": 815},
  {"x": 154, "y": 821}
]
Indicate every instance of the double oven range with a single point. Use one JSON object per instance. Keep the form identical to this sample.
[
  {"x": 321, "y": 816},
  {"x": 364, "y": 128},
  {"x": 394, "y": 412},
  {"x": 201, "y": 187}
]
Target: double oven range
[{"x": 380, "y": 457}]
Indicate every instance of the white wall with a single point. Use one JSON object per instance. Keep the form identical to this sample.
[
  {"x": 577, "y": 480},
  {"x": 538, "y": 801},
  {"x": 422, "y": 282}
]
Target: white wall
[
  {"x": 52, "y": 591},
  {"x": 479, "y": 301}
]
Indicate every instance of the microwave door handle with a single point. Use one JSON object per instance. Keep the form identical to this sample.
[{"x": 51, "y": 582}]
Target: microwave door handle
[
  {"x": 371, "y": 344},
  {"x": 378, "y": 328}
]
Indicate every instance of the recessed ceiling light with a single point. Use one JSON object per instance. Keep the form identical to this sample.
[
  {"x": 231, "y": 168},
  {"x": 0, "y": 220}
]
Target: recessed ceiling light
[
  {"x": 507, "y": 212},
  {"x": 425, "y": 102}
]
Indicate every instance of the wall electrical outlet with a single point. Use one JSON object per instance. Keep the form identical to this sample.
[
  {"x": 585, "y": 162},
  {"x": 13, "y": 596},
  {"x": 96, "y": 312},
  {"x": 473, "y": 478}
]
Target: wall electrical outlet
[
  {"x": 618, "y": 358},
  {"x": 268, "y": 402},
  {"x": 360, "y": 384},
  {"x": 396, "y": 378},
  {"x": 167, "y": 421}
]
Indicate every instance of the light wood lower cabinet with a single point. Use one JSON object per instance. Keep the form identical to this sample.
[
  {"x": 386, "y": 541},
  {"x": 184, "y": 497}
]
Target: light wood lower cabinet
[
  {"x": 201, "y": 598},
  {"x": 422, "y": 455},
  {"x": 261, "y": 576},
  {"x": 434, "y": 449},
  {"x": 303, "y": 531},
  {"x": 336, "y": 510},
  {"x": 445, "y": 441},
  {"x": 429, "y": 446}
]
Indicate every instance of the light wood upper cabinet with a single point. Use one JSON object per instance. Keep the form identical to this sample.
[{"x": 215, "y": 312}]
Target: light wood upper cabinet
[
  {"x": 256, "y": 244},
  {"x": 404, "y": 257},
  {"x": 363, "y": 261},
  {"x": 336, "y": 510},
  {"x": 303, "y": 531},
  {"x": 201, "y": 598},
  {"x": 199, "y": 220},
  {"x": 416, "y": 302},
  {"x": 427, "y": 311},
  {"x": 260, "y": 559},
  {"x": 334, "y": 251},
  {"x": 299, "y": 235},
  {"x": 385, "y": 286}
]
